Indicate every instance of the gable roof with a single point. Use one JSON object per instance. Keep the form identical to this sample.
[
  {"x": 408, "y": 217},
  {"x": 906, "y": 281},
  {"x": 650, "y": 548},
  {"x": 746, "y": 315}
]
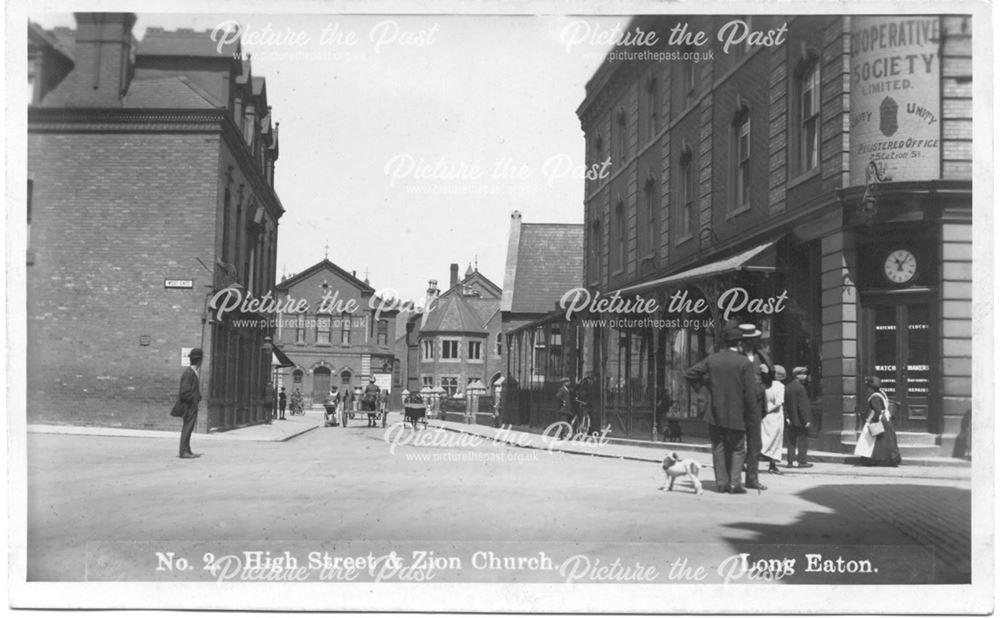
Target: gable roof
[
  {"x": 545, "y": 264},
  {"x": 324, "y": 264}
]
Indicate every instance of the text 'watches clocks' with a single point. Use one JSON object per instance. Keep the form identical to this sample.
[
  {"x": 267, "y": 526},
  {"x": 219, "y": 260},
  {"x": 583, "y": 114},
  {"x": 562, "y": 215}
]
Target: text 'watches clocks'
[{"x": 900, "y": 266}]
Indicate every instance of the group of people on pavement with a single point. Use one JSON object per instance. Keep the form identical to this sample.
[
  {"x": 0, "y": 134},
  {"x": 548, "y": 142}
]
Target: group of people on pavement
[{"x": 752, "y": 414}]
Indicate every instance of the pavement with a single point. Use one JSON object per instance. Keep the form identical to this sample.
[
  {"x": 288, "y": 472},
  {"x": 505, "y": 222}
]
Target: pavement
[
  {"x": 824, "y": 463},
  {"x": 276, "y": 431}
]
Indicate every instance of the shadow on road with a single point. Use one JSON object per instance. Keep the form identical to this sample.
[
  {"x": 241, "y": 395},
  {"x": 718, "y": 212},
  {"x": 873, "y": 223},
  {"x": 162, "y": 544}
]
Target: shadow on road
[{"x": 865, "y": 534}]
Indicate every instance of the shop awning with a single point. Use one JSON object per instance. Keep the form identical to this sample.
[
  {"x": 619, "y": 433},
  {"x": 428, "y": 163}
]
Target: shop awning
[
  {"x": 280, "y": 359},
  {"x": 758, "y": 259}
]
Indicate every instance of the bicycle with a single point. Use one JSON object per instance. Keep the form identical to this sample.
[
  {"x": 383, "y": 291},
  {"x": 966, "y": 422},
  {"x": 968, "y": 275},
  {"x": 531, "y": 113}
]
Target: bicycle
[{"x": 573, "y": 424}]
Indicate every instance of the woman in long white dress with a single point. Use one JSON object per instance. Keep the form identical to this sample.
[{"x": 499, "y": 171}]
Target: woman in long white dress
[{"x": 772, "y": 425}]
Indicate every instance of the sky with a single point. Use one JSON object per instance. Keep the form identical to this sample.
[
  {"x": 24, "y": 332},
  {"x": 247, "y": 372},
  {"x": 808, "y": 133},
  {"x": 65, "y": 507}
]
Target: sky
[{"x": 406, "y": 141}]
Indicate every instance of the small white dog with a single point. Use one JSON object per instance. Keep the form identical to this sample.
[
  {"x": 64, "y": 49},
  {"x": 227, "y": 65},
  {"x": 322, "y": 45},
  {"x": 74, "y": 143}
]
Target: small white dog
[{"x": 674, "y": 466}]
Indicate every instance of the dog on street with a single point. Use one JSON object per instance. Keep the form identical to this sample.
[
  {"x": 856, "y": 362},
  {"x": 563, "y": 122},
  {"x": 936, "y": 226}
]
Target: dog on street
[{"x": 675, "y": 467}]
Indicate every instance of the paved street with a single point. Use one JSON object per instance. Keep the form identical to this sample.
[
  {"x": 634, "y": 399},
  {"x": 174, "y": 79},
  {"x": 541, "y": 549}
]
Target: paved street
[{"x": 102, "y": 507}]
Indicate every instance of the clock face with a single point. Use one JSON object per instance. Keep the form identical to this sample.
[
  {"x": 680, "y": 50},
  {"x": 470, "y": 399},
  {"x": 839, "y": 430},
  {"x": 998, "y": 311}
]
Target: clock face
[{"x": 900, "y": 266}]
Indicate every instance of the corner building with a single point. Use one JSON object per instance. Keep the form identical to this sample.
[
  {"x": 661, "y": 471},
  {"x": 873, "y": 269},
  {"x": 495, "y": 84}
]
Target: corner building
[
  {"x": 834, "y": 170},
  {"x": 150, "y": 187}
]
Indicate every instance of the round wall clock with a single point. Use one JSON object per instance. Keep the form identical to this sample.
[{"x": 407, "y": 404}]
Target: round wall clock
[{"x": 900, "y": 266}]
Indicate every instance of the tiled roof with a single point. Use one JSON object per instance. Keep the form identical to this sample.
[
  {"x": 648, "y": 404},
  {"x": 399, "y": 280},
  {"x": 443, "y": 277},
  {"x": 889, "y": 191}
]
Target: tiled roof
[
  {"x": 185, "y": 42},
  {"x": 453, "y": 313},
  {"x": 549, "y": 262},
  {"x": 168, "y": 92}
]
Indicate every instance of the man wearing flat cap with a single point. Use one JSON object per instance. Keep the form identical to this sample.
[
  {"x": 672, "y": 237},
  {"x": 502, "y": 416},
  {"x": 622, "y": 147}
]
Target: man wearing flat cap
[
  {"x": 190, "y": 396},
  {"x": 797, "y": 413},
  {"x": 729, "y": 376}
]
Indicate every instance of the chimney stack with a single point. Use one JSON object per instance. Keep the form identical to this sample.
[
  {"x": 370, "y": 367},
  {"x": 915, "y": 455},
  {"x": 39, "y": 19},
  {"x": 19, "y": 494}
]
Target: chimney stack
[
  {"x": 103, "y": 59},
  {"x": 454, "y": 276}
]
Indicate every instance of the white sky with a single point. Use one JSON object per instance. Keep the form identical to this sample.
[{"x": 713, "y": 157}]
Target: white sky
[{"x": 481, "y": 91}]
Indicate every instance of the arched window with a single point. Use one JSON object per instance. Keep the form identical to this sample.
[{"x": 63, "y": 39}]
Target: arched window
[
  {"x": 686, "y": 200},
  {"x": 345, "y": 378},
  {"x": 651, "y": 234},
  {"x": 741, "y": 160},
  {"x": 808, "y": 101},
  {"x": 345, "y": 328},
  {"x": 620, "y": 231},
  {"x": 595, "y": 249}
]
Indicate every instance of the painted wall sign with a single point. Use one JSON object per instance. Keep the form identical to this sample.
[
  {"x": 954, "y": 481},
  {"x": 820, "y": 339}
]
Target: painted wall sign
[
  {"x": 178, "y": 284},
  {"x": 896, "y": 96}
]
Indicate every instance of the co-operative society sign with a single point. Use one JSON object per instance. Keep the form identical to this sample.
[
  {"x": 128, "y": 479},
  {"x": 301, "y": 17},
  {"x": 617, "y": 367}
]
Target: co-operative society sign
[{"x": 896, "y": 96}]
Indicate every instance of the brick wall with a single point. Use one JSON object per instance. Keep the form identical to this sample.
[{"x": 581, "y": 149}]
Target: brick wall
[
  {"x": 956, "y": 98},
  {"x": 113, "y": 216}
]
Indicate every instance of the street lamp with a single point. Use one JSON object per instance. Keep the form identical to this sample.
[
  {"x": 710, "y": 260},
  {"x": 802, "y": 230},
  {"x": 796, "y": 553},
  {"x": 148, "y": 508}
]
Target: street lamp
[{"x": 874, "y": 174}]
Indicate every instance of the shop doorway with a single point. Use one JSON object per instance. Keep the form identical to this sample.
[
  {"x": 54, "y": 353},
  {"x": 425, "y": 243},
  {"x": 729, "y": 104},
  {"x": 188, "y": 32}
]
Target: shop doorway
[{"x": 899, "y": 333}]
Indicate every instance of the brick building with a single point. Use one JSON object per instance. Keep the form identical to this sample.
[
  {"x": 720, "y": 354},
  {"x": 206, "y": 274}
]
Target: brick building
[
  {"x": 150, "y": 186},
  {"x": 456, "y": 340},
  {"x": 341, "y": 339},
  {"x": 832, "y": 169}
]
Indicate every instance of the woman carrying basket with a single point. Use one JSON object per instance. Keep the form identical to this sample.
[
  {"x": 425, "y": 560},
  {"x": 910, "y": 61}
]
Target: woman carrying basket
[{"x": 879, "y": 425}]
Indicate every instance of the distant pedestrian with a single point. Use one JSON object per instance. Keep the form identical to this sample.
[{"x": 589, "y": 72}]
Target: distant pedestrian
[
  {"x": 772, "y": 426},
  {"x": 751, "y": 335},
  {"x": 282, "y": 402},
  {"x": 798, "y": 418},
  {"x": 564, "y": 401},
  {"x": 369, "y": 401},
  {"x": 886, "y": 450},
  {"x": 729, "y": 376},
  {"x": 268, "y": 402},
  {"x": 189, "y": 397}
]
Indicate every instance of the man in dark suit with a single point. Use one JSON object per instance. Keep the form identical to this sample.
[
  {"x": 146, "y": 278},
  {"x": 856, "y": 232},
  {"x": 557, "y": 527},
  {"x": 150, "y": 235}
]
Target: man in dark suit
[
  {"x": 190, "y": 396},
  {"x": 729, "y": 376},
  {"x": 798, "y": 418}
]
